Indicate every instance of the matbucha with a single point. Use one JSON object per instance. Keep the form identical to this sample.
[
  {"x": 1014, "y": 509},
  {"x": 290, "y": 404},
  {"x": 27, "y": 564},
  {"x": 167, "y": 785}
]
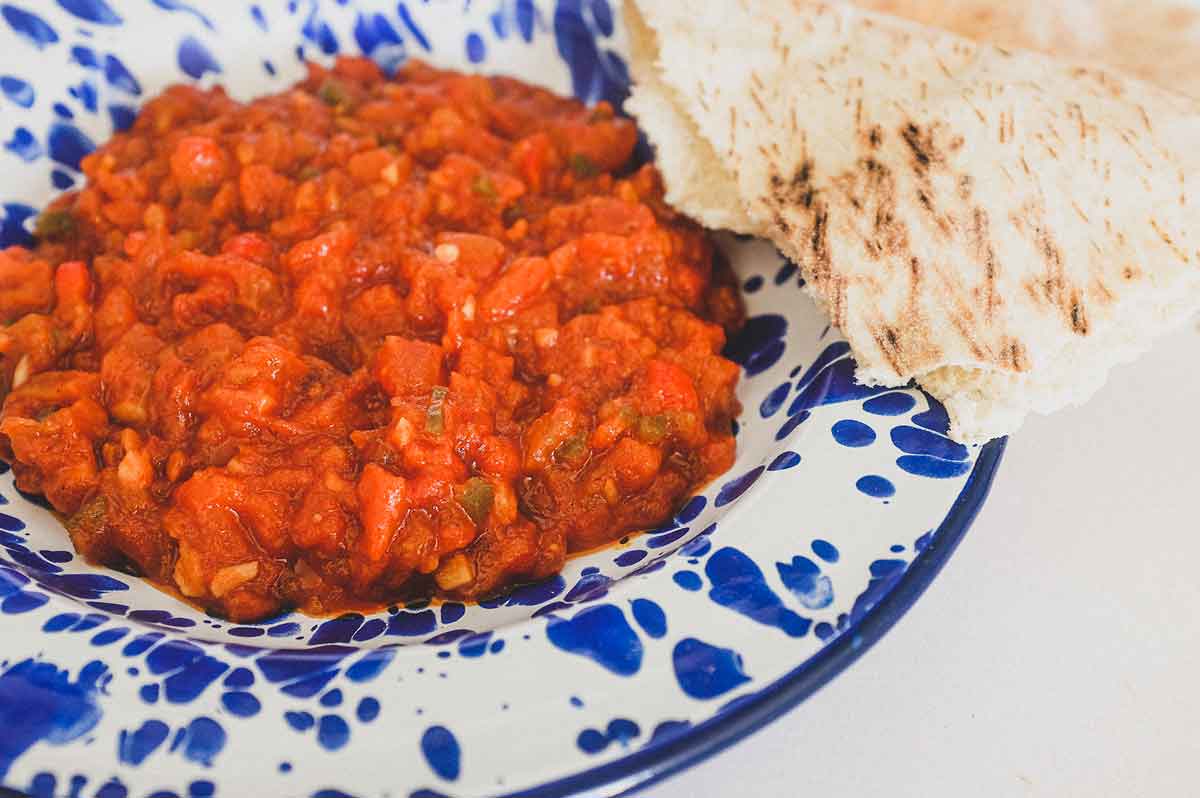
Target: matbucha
[{"x": 362, "y": 340}]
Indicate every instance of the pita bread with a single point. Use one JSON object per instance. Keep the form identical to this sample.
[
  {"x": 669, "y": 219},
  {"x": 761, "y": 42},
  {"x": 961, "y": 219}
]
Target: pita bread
[
  {"x": 1155, "y": 40},
  {"x": 998, "y": 225}
]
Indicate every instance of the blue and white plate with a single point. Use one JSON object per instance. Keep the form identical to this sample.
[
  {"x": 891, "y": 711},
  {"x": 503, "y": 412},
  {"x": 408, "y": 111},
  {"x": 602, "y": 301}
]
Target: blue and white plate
[{"x": 844, "y": 503}]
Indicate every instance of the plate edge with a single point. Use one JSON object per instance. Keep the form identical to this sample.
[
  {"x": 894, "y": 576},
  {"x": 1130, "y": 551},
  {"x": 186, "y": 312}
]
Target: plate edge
[{"x": 649, "y": 766}]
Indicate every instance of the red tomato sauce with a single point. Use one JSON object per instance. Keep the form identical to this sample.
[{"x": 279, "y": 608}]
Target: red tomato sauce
[{"x": 364, "y": 340}]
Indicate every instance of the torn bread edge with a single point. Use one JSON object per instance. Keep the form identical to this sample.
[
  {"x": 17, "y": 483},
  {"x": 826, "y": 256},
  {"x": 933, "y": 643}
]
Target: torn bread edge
[{"x": 982, "y": 403}]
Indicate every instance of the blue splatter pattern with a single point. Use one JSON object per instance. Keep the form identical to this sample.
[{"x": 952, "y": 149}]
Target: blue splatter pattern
[{"x": 177, "y": 698}]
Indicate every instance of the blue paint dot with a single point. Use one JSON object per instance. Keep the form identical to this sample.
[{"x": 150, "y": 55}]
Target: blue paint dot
[
  {"x": 269, "y": 68},
  {"x": 876, "y": 486},
  {"x": 332, "y": 699},
  {"x": 370, "y": 630},
  {"x": 67, "y": 144},
  {"x": 247, "y": 631},
  {"x": 733, "y": 489},
  {"x": 85, "y": 92},
  {"x": 85, "y": 57},
  {"x": 601, "y": 634},
  {"x": 591, "y": 741},
  {"x": 441, "y": 751},
  {"x": 825, "y": 550},
  {"x": 26, "y": 147},
  {"x": 119, "y": 77},
  {"x": 576, "y": 702},
  {"x": 913, "y": 440},
  {"x": 201, "y": 789},
  {"x": 17, "y": 90},
  {"x": 688, "y": 580},
  {"x": 452, "y": 612},
  {"x": 855, "y": 434},
  {"x": 623, "y": 731},
  {"x": 337, "y": 630},
  {"x": 240, "y": 703},
  {"x": 195, "y": 59},
  {"x": 96, "y": 11},
  {"x": 319, "y": 32},
  {"x": 412, "y": 624},
  {"x": 134, "y": 747},
  {"x": 285, "y": 767},
  {"x": 42, "y": 786},
  {"x": 260, "y": 19},
  {"x": 300, "y": 721},
  {"x": 667, "y": 538},
  {"x": 691, "y": 510},
  {"x": 332, "y": 732},
  {"x": 589, "y": 587},
  {"x": 60, "y": 622},
  {"x": 774, "y": 400},
  {"x": 628, "y": 558},
  {"x": 784, "y": 461},
  {"x": 201, "y": 741},
  {"x": 935, "y": 418},
  {"x": 804, "y": 579},
  {"x": 63, "y": 111},
  {"x": 890, "y": 404},
  {"x": 112, "y": 789},
  {"x": 823, "y": 631},
  {"x": 284, "y": 629},
  {"x": 29, "y": 26},
  {"x": 23, "y": 602},
  {"x": 526, "y": 15},
  {"x": 412, "y": 27},
  {"x": 239, "y": 679},
  {"x": 476, "y": 49},
  {"x": 697, "y": 546},
  {"x": 705, "y": 671},
  {"x": 933, "y": 467},
  {"x": 108, "y": 636},
  {"x": 368, "y": 709},
  {"x": 759, "y": 344},
  {"x": 370, "y": 665},
  {"x": 790, "y": 425},
  {"x": 650, "y": 616},
  {"x": 786, "y": 272},
  {"x": 740, "y": 585},
  {"x": 753, "y": 284}
]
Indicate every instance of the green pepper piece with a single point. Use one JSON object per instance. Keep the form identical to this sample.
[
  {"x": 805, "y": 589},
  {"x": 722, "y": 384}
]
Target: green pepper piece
[
  {"x": 435, "y": 415},
  {"x": 88, "y": 518},
  {"x": 56, "y": 226},
  {"x": 334, "y": 92},
  {"x": 476, "y": 498},
  {"x": 484, "y": 187},
  {"x": 651, "y": 429},
  {"x": 583, "y": 166},
  {"x": 571, "y": 449}
]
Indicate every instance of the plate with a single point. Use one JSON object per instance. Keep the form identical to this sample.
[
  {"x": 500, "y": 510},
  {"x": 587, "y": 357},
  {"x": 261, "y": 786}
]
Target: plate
[{"x": 844, "y": 503}]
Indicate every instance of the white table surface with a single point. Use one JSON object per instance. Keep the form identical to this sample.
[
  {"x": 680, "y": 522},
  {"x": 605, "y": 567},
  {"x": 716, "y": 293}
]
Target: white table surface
[{"x": 1058, "y": 652}]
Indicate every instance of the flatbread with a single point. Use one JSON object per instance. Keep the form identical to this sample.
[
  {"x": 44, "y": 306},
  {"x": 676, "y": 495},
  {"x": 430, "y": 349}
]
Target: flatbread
[
  {"x": 998, "y": 225},
  {"x": 1155, "y": 40}
]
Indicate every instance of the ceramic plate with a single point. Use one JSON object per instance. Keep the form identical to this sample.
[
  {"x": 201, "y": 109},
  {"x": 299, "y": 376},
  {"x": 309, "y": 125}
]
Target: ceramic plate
[{"x": 638, "y": 659}]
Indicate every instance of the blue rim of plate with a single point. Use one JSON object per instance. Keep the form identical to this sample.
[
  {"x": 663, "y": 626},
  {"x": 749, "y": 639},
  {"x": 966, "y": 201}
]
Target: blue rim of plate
[{"x": 655, "y": 763}]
